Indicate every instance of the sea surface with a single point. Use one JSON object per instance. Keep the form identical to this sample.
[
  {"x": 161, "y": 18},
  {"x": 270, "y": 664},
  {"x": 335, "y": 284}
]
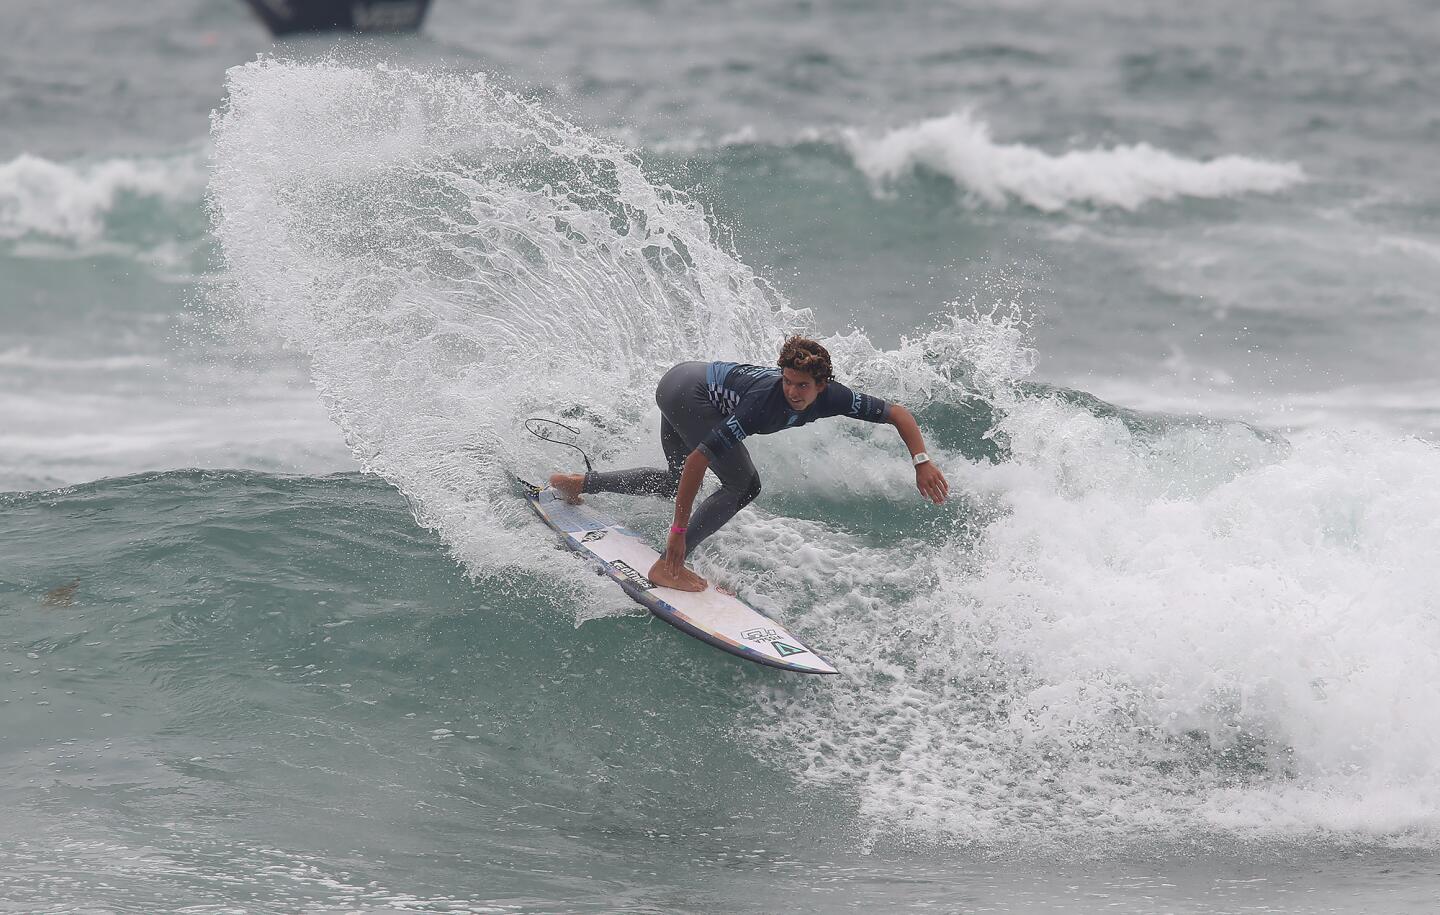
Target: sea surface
[{"x": 1159, "y": 281}]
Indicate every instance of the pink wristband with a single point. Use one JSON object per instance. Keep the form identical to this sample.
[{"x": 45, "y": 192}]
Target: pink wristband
[{"x": 676, "y": 530}]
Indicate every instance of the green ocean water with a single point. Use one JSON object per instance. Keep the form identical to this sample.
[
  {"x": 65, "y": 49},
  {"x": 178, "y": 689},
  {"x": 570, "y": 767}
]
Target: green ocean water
[
  {"x": 277, "y": 694},
  {"x": 279, "y": 635}
]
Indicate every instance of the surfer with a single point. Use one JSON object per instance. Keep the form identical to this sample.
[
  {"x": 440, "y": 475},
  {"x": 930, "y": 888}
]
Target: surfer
[{"x": 707, "y": 411}]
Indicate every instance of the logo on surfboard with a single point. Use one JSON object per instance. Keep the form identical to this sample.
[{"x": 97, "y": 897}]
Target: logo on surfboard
[
  {"x": 759, "y": 635},
  {"x": 632, "y": 576},
  {"x": 786, "y": 651},
  {"x": 593, "y": 536}
]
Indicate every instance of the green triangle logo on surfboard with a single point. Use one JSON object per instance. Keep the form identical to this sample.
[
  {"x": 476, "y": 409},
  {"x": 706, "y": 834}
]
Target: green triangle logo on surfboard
[{"x": 787, "y": 650}]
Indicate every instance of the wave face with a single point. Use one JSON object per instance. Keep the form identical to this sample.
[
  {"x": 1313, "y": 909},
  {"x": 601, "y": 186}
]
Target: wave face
[
  {"x": 276, "y": 693},
  {"x": 1127, "y": 626}
]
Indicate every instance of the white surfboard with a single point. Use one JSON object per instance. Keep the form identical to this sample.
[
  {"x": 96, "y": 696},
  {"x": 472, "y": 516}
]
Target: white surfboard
[{"x": 711, "y": 615}]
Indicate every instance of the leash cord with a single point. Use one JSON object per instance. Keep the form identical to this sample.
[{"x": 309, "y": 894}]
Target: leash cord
[{"x": 541, "y": 429}]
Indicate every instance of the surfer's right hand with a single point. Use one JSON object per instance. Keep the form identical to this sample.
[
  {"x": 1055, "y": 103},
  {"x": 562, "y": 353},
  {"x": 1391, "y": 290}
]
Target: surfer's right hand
[
  {"x": 675, "y": 546},
  {"x": 931, "y": 482}
]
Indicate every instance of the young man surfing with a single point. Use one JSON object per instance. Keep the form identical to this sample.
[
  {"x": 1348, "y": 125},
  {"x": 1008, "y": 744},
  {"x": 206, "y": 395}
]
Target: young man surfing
[{"x": 707, "y": 411}]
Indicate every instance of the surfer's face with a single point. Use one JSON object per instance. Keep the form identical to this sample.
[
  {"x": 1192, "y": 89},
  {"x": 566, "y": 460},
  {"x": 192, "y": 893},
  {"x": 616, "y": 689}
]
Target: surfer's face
[{"x": 801, "y": 388}]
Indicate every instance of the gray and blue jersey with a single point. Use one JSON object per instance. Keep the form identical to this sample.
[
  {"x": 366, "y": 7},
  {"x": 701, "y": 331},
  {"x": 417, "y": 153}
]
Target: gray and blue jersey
[{"x": 752, "y": 400}]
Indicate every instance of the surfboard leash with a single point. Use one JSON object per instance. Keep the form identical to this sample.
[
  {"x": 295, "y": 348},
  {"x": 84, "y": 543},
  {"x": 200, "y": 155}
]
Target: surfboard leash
[{"x": 542, "y": 429}]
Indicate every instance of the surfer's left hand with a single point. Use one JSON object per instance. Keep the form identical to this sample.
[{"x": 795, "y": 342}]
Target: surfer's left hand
[{"x": 931, "y": 482}]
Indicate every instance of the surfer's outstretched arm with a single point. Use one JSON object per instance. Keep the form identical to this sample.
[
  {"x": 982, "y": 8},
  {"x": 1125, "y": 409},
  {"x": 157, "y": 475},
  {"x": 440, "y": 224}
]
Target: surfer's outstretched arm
[
  {"x": 928, "y": 478},
  {"x": 669, "y": 571}
]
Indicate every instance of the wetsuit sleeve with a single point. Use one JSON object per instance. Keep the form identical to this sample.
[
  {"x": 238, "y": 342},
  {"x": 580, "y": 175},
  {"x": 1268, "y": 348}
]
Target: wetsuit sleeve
[{"x": 838, "y": 400}]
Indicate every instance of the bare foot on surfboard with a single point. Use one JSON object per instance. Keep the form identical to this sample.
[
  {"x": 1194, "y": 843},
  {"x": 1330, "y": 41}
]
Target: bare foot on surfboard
[
  {"x": 568, "y": 486},
  {"x": 681, "y": 579}
]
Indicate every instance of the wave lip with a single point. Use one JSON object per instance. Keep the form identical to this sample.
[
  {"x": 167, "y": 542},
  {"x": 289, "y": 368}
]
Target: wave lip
[{"x": 961, "y": 148}]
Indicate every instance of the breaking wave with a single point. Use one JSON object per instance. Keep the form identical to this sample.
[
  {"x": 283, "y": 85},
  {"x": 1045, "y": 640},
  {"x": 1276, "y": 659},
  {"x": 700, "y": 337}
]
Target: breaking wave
[
  {"x": 1125, "y": 624},
  {"x": 960, "y": 147},
  {"x": 75, "y": 202}
]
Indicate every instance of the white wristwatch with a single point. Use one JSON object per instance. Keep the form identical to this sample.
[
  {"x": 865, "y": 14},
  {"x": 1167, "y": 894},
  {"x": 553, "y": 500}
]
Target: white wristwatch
[{"x": 919, "y": 458}]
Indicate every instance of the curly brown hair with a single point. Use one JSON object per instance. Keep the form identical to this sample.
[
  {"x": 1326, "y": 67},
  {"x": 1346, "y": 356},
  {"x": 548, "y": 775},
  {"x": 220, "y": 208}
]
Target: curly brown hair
[{"x": 806, "y": 355}]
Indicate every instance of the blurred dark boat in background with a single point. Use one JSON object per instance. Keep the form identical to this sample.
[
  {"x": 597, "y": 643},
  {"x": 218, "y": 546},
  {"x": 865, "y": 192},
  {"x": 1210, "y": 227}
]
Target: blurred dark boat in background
[{"x": 285, "y": 17}]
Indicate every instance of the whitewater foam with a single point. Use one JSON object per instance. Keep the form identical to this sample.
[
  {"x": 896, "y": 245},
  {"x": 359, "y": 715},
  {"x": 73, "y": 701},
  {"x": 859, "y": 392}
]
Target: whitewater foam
[
  {"x": 1196, "y": 631},
  {"x": 61, "y": 428}
]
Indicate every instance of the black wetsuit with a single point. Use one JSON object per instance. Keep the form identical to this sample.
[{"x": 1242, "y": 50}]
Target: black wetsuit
[{"x": 714, "y": 407}]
